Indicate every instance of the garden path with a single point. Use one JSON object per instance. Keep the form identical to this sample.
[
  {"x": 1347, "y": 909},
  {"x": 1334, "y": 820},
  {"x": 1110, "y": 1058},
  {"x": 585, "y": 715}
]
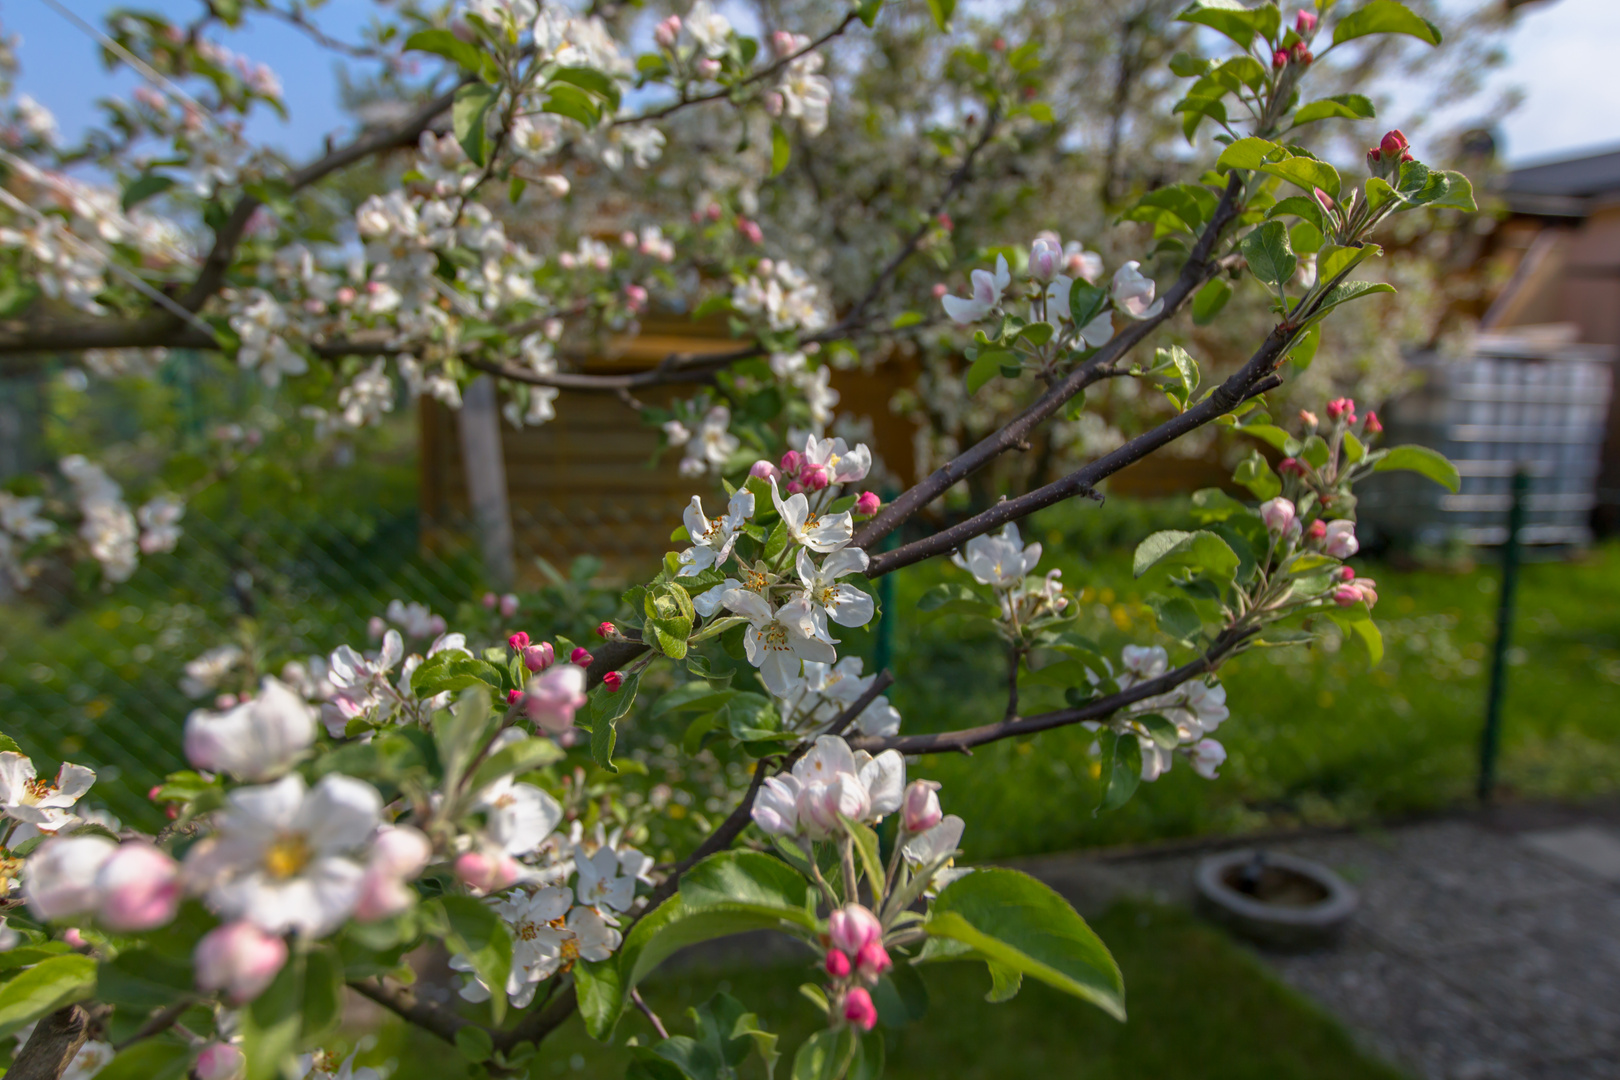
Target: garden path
[{"x": 1487, "y": 946}]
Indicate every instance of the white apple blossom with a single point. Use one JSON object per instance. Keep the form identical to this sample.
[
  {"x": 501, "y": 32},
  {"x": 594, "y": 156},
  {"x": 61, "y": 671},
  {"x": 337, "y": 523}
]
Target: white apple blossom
[
  {"x": 711, "y": 445},
  {"x": 843, "y": 465},
  {"x": 1206, "y": 756},
  {"x": 710, "y": 30},
  {"x": 1133, "y": 292},
  {"x": 61, "y": 876},
  {"x": 204, "y": 674},
  {"x": 259, "y": 739},
  {"x": 818, "y": 533},
  {"x": 602, "y": 880},
  {"x": 939, "y": 842},
  {"x": 1000, "y": 561},
  {"x": 288, "y": 857},
  {"x": 828, "y": 783},
  {"x": 160, "y": 523},
  {"x": 518, "y": 817},
  {"x": 43, "y": 804},
  {"x": 778, "y": 638},
  {"x": 987, "y": 290},
  {"x": 843, "y": 603},
  {"x": 713, "y": 538}
]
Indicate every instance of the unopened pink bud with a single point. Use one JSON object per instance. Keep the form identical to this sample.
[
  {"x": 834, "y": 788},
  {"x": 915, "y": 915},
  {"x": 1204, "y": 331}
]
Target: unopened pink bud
[
  {"x": 1340, "y": 408},
  {"x": 814, "y": 477},
  {"x": 539, "y": 657},
  {"x": 514, "y": 697},
  {"x": 1278, "y": 515},
  {"x": 794, "y": 487},
  {"x": 1291, "y": 467},
  {"x": 713, "y": 211},
  {"x": 518, "y": 641},
  {"x": 851, "y": 927},
  {"x": 837, "y": 964},
  {"x": 635, "y": 297},
  {"x": 490, "y": 600},
  {"x": 346, "y": 295},
  {"x": 1279, "y": 59},
  {"x": 764, "y": 470},
  {"x": 613, "y": 681},
  {"x": 486, "y": 873},
  {"x": 1316, "y": 530},
  {"x": 1323, "y": 199},
  {"x": 1299, "y": 54},
  {"x": 73, "y": 939},
  {"x": 1374, "y": 425},
  {"x": 946, "y": 222},
  {"x": 940, "y": 289},
  {"x": 239, "y": 959},
  {"x": 1345, "y": 573},
  {"x": 1393, "y": 144},
  {"x": 606, "y": 630},
  {"x": 581, "y": 656},
  {"x": 376, "y": 627},
  {"x": 140, "y": 888},
  {"x": 1307, "y": 418},
  {"x": 920, "y": 810},
  {"x": 859, "y": 1010},
  {"x": 225, "y": 701},
  {"x": 1347, "y": 595},
  {"x": 868, "y": 504},
  {"x": 1304, "y": 22},
  {"x": 668, "y": 31},
  {"x": 219, "y": 1061},
  {"x": 751, "y": 231},
  {"x": 792, "y": 462},
  {"x": 509, "y": 605},
  {"x": 873, "y": 960},
  {"x": 707, "y": 68},
  {"x": 628, "y": 239}
]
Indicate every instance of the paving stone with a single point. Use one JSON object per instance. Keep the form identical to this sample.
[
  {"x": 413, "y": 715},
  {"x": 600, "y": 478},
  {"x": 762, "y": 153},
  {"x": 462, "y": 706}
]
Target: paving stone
[{"x": 1588, "y": 848}]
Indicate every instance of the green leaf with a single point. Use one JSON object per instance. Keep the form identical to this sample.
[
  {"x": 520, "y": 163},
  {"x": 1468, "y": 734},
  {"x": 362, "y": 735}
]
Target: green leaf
[
  {"x": 952, "y": 599},
  {"x": 1254, "y": 472},
  {"x": 1229, "y": 17},
  {"x": 820, "y": 1056},
  {"x": 1211, "y": 505},
  {"x": 452, "y": 671},
  {"x": 1302, "y": 352},
  {"x": 323, "y": 993},
  {"x": 781, "y": 150},
  {"x": 1339, "y": 106},
  {"x": 1271, "y": 435},
  {"x": 472, "y": 103},
  {"x": 1202, "y": 551},
  {"x": 1384, "y": 17},
  {"x": 1336, "y": 260},
  {"x": 518, "y": 758},
  {"x": 149, "y": 1059},
  {"x": 1177, "y": 617},
  {"x": 563, "y": 99},
  {"x": 144, "y": 187},
  {"x": 142, "y": 980},
  {"x": 1121, "y": 770},
  {"x": 901, "y": 996},
  {"x": 444, "y": 43},
  {"x": 1421, "y": 460},
  {"x": 1010, "y": 919},
  {"x": 749, "y": 878},
  {"x": 1305, "y": 238},
  {"x": 1346, "y": 291},
  {"x": 607, "y": 709},
  {"x": 591, "y": 80},
  {"x": 461, "y": 731},
  {"x": 1210, "y": 300},
  {"x": 868, "y": 852},
  {"x": 1307, "y": 173},
  {"x": 44, "y": 988},
  {"x": 474, "y": 1043},
  {"x": 477, "y": 933},
  {"x": 988, "y": 366},
  {"x": 1161, "y": 729},
  {"x": 1315, "y": 451},
  {"x": 1459, "y": 193},
  {"x": 1269, "y": 255},
  {"x": 1250, "y": 154},
  {"x": 1004, "y": 983},
  {"x": 1086, "y": 302},
  {"x": 270, "y": 1025},
  {"x": 601, "y": 996},
  {"x": 942, "y": 10}
]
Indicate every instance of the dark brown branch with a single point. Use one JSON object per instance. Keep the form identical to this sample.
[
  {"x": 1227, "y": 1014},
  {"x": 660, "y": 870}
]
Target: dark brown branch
[
  {"x": 1224, "y": 645},
  {"x": 403, "y": 1001},
  {"x": 1255, "y": 377},
  {"x": 1200, "y": 267},
  {"x": 160, "y": 1022},
  {"x": 51, "y": 1048}
]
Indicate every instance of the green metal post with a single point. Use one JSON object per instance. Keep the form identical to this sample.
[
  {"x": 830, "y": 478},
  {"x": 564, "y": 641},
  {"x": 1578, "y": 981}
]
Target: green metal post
[{"x": 1492, "y": 737}]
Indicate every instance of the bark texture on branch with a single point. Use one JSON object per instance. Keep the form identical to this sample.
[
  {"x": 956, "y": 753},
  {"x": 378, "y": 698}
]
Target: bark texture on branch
[{"x": 52, "y": 1046}]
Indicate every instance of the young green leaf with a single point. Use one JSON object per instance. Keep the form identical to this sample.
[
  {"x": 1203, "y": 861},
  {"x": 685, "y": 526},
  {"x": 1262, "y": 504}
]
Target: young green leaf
[
  {"x": 1424, "y": 462},
  {"x": 1268, "y": 253},
  {"x": 1385, "y": 17}
]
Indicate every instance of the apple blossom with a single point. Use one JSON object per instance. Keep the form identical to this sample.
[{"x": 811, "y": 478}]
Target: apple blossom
[
  {"x": 537, "y": 658},
  {"x": 509, "y": 605},
  {"x": 921, "y": 809},
  {"x": 518, "y": 816},
  {"x": 1133, "y": 293},
  {"x": 764, "y": 470},
  {"x": 939, "y": 842},
  {"x": 1278, "y": 515},
  {"x": 1339, "y": 539},
  {"x": 613, "y": 681},
  {"x": 62, "y": 876},
  {"x": 139, "y": 888},
  {"x": 533, "y": 921},
  {"x": 776, "y": 808},
  {"x": 1304, "y": 22},
  {"x": 240, "y": 959},
  {"x": 552, "y": 698},
  {"x": 868, "y": 504},
  {"x": 256, "y": 740},
  {"x": 1045, "y": 257},
  {"x": 818, "y": 533},
  {"x": 581, "y": 657},
  {"x": 487, "y": 873},
  {"x": 858, "y": 1009},
  {"x": 1000, "y": 561},
  {"x": 668, "y": 31},
  {"x": 398, "y": 854},
  {"x": 987, "y": 290},
  {"x": 219, "y": 1061},
  {"x": 844, "y": 604},
  {"x": 1316, "y": 530},
  {"x": 778, "y": 638},
  {"x": 837, "y": 964},
  {"x": 601, "y": 881},
  {"x": 852, "y": 927},
  {"x": 713, "y": 539},
  {"x": 872, "y": 960},
  {"x": 1342, "y": 409},
  {"x": 1206, "y": 757},
  {"x": 40, "y": 803}
]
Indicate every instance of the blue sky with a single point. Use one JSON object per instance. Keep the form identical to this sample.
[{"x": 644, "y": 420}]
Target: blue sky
[{"x": 1562, "y": 54}]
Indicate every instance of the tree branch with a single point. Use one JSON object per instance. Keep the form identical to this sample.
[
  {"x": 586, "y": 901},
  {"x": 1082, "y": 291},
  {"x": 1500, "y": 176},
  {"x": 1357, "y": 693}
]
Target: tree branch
[
  {"x": 51, "y": 1048},
  {"x": 1255, "y": 377},
  {"x": 403, "y": 1001},
  {"x": 1200, "y": 266},
  {"x": 1224, "y": 645}
]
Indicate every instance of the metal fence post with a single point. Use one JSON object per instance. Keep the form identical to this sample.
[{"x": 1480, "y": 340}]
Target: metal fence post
[{"x": 1492, "y": 736}]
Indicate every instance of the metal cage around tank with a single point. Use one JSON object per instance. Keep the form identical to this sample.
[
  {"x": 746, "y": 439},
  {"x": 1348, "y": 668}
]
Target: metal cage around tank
[{"x": 1512, "y": 402}]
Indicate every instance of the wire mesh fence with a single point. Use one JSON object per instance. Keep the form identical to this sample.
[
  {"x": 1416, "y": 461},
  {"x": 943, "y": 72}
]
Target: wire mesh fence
[{"x": 94, "y": 675}]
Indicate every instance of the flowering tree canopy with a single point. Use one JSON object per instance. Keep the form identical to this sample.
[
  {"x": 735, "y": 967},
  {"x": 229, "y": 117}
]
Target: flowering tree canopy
[{"x": 345, "y": 809}]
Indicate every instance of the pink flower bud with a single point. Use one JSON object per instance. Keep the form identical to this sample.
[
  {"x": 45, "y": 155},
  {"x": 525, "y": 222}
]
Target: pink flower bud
[
  {"x": 1045, "y": 256},
  {"x": 851, "y": 927},
  {"x": 764, "y": 470},
  {"x": 920, "y": 811},
  {"x": 1393, "y": 144},
  {"x": 581, "y": 656},
  {"x": 635, "y": 297},
  {"x": 940, "y": 289},
  {"x": 1299, "y": 54},
  {"x": 154, "y": 792},
  {"x": 73, "y": 939},
  {"x": 613, "y": 681},
  {"x": 1304, "y": 22},
  {"x": 346, "y": 295},
  {"x": 239, "y": 959},
  {"x": 713, "y": 211},
  {"x": 1323, "y": 199},
  {"x": 999, "y": 44},
  {"x": 868, "y": 504},
  {"x": 628, "y": 239},
  {"x": 225, "y": 701},
  {"x": 1373, "y": 158},
  {"x": 376, "y": 627},
  {"x": 668, "y": 31},
  {"x": 814, "y": 477},
  {"x": 219, "y": 1061},
  {"x": 401, "y": 850},
  {"x": 765, "y": 267},
  {"x": 518, "y": 641},
  {"x": 837, "y": 964},
  {"x": 1307, "y": 418},
  {"x": 1347, "y": 595},
  {"x": 1339, "y": 539},
  {"x": 1316, "y": 530},
  {"x": 509, "y": 605},
  {"x": 859, "y": 1010},
  {"x": 1345, "y": 573},
  {"x": 490, "y": 600},
  {"x": 945, "y": 221},
  {"x": 1278, "y": 515},
  {"x": 139, "y": 887},
  {"x": 486, "y": 873},
  {"x": 792, "y": 462},
  {"x": 539, "y": 657},
  {"x": 1291, "y": 467},
  {"x": 873, "y": 960},
  {"x": 551, "y": 699},
  {"x": 514, "y": 697},
  {"x": 1342, "y": 408},
  {"x": 751, "y": 231},
  {"x": 707, "y": 68},
  {"x": 1374, "y": 425},
  {"x": 1279, "y": 59},
  {"x": 794, "y": 487},
  {"x": 606, "y": 630},
  {"x": 382, "y": 896}
]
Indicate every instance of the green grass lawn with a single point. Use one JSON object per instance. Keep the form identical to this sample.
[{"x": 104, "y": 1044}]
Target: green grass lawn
[
  {"x": 1315, "y": 735},
  {"x": 1199, "y": 1007}
]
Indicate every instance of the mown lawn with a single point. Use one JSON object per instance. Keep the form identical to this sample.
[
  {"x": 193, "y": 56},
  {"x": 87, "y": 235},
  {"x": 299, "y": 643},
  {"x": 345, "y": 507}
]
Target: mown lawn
[
  {"x": 1200, "y": 1007},
  {"x": 1315, "y": 735}
]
